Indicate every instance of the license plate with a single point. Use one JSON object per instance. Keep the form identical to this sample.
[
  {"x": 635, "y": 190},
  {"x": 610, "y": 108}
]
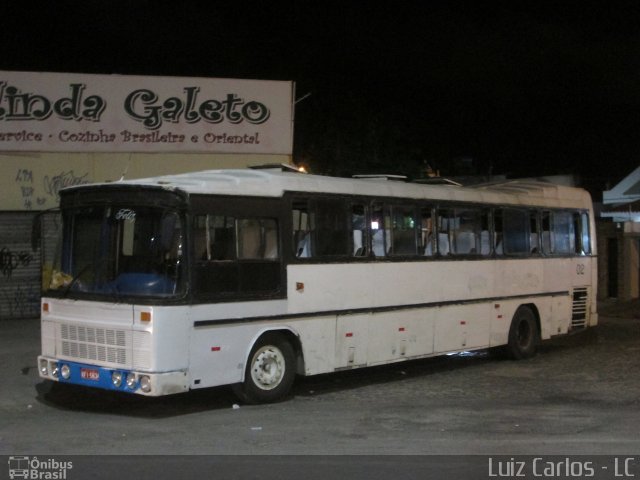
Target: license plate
[{"x": 89, "y": 374}]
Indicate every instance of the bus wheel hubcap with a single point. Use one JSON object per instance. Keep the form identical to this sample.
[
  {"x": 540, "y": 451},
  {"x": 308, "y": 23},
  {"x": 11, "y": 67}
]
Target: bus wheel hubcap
[{"x": 267, "y": 368}]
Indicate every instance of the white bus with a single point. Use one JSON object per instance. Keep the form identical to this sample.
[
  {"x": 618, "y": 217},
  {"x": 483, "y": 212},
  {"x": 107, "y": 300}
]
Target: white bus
[{"x": 249, "y": 277}]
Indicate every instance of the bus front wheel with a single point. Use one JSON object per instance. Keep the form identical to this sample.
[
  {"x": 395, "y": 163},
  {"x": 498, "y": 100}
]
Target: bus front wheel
[
  {"x": 523, "y": 334},
  {"x": 270, "y": 370}
]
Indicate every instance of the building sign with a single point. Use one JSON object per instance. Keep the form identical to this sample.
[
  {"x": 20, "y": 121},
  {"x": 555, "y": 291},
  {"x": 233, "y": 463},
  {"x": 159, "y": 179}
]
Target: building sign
[{"x": 61, "y": 112}]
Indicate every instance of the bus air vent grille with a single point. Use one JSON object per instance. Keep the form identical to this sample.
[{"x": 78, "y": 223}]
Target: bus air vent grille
[
  {"x": 90, "y": 343},
  {"x": 580, "y": 306}
]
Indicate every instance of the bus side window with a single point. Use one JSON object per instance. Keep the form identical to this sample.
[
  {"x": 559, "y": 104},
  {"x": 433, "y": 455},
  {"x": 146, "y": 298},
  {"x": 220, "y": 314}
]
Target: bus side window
[
  {"x": 242, "y": 255},
  {"x": 427, "y": 237},
  {"x": 516, "y": 225},
  {"x": 330, "y": 228},
  {"x": 322, "y": 228},
  {"x": 463, "y": 231},
  {"x": 534, "y": 237},
  {"x": 271, "y": 245},
  {"x": 483, "y": 239},
  {"x": 257, "y": 239},
  {"x": 581, "y": 241},
  {"x": 498, "y": 232},
  {"x": 379, "y": 241},
  {"x": 403, "y": 231},
  {"x": 200, "y": 238},
  {"x": 584, "y": 233},
  {"x": 546, "y": 232},
  {"x": 446, "y": 226},
  {"x": 301, "y": 229},
  {"x": 563, "y": 237},
  {"x": 359, "y": 230},
  {"x": 221, "y": 234},
  {"x": 215, "y": 254},
  {"x": 466, "y": 232}
]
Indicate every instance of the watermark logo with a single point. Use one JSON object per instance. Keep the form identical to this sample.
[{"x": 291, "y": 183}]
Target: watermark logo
[{"x": 38, "y": 469}]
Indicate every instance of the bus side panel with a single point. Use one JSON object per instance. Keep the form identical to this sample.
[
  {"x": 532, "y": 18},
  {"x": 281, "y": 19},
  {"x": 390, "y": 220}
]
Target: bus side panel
[
  {"x": 574, "y": 276},
  {"x": 165, "y": 340},
  {"x": 317, "y": 337},
  {"x": 379, "y": 338},
  {"x": 218, "y": 353},
  {"x": 318, "y": 288},
  {"x": 583, "y": 269},
  {"x": 314, "y": 288},
  {"x": 48, "y": 337},
  {"x": 559, "y": 319},
  {"x": 352, "y": 340},
  {"x": 430, "y": 282},
  {"x": 553, "y": 312},
  {"x": 400, "y": 334},
  {"x": 519, "y": 277},
  {"x": 462, "y": 327}
]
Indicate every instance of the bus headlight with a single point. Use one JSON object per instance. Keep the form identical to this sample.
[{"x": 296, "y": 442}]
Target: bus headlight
[
  {"x": 116, "y": 379},
  {"x": 131, "y": 381},
  {"x": 44, "y": 367},
  {"x": 54, "y": 370},
  {"x": 65, "y": 371},
  {"x": 145, "y": 383}
]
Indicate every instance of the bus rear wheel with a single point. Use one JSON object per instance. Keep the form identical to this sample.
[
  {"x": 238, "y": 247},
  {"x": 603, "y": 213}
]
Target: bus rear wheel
[
  {"x": 270, "y": 370},
  {"x": 523, "y": 334}
]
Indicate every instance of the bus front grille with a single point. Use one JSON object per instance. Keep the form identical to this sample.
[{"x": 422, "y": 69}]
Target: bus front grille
[
  {"x": 104, "y": 345},
  {"x": 580, "y": 306}
]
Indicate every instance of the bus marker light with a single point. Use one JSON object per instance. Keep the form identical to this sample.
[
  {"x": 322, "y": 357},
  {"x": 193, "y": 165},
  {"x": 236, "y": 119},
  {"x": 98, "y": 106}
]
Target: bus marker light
[
  {"x": 145, "y": 383},
  {"x": 131, "y": 381},
  {"x": 299, "y": 287},
  {"x": 44, "y": 367},
  {"x": 215, "y": 349},
  {"x": 116, "y": 379},
  {"x": 401, "y": 329},
  {"x": 145, "y": 316},
  {"x": 349, "y": 334},
  {"x": 45, "y": 307},
  {"x": 463, "y": 322}
]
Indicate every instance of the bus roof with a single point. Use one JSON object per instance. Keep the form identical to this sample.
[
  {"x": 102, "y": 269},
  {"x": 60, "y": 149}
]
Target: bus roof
[{"x": 275, "y": 182}]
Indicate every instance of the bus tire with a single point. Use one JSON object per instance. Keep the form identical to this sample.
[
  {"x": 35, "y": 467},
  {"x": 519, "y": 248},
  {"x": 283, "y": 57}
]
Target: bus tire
[
  {"x": 269, "y": 372},
  {"x": 523, "y": 334}
]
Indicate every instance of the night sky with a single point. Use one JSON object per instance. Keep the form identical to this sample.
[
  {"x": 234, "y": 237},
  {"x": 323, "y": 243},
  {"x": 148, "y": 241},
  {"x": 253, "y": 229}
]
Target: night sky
[{"x": 523, "y": 89}]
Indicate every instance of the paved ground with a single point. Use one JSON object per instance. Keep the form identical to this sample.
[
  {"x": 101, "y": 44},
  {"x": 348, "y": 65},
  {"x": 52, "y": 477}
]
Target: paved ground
[{"x": 580, "y": 395}]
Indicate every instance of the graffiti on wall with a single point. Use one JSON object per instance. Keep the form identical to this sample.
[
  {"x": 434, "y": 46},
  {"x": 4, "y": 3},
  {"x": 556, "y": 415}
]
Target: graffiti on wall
[
  {"x": 53, "y": 184},
  {"x": 19, "y": 296},
  {"x": 10, "y": 260},
  {"x": 42, "y": 192}
]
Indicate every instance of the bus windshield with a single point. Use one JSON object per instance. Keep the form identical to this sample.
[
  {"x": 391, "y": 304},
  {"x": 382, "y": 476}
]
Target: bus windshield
[{"x": 120, "y": 251}]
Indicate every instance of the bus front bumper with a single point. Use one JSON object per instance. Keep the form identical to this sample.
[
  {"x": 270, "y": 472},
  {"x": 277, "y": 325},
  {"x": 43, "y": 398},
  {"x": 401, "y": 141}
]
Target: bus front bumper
[{"x": 116, "y": 379}]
